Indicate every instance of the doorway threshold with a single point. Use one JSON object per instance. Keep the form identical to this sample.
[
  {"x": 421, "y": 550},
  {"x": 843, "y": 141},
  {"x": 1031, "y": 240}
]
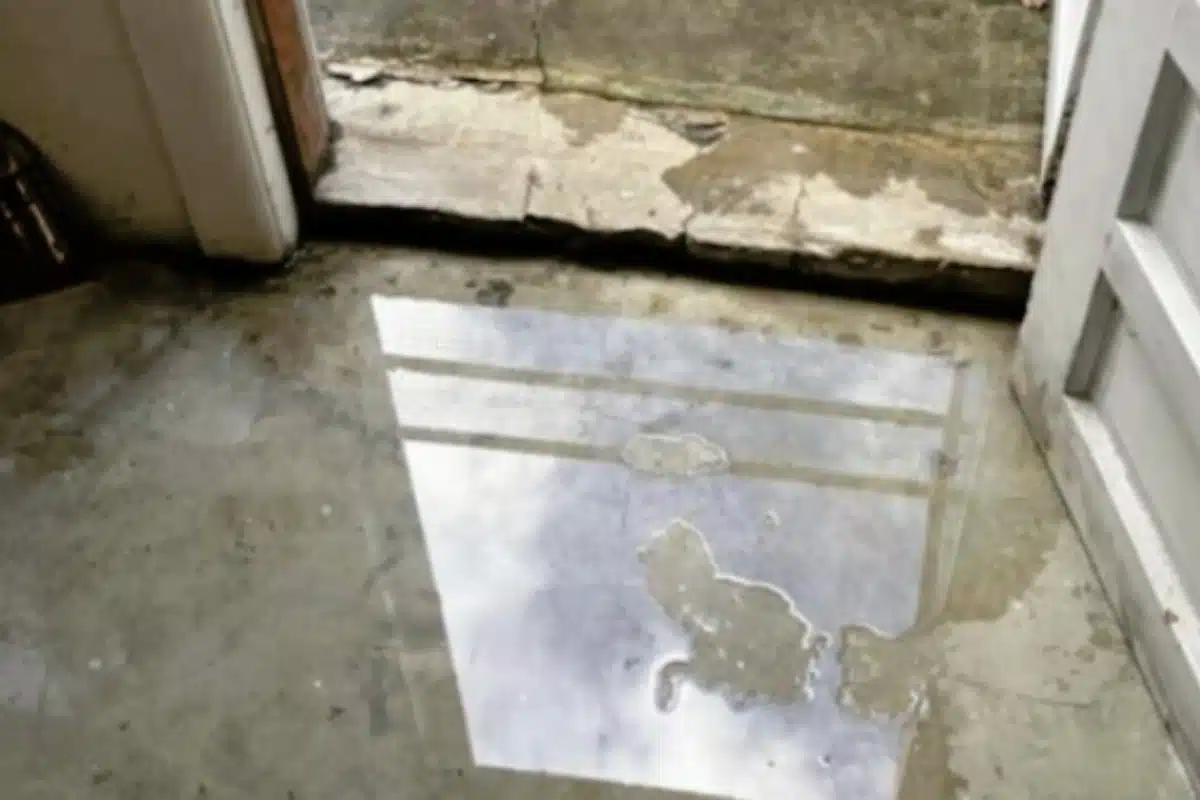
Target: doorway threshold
[{"x": 881, "y": 210}]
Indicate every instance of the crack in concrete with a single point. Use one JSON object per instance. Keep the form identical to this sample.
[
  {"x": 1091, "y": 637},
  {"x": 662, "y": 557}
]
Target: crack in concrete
[
  {"x": 684, "y": 238},
  {"x": 539, "y": 55},
  {"x": 532, "y": 181},
  {"x": 524, "y": 201}
]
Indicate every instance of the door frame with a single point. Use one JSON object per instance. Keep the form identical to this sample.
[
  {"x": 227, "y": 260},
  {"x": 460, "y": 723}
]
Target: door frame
[
  {"x": 283, "y": 35},
  {"x": 205, "y": 83},
  {"x": 1125, "y": 115},
  {"x": 1072, "y": 25}
]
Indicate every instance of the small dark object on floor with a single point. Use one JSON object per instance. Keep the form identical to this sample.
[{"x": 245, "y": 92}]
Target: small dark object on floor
[{"x": 495, "y": 293}]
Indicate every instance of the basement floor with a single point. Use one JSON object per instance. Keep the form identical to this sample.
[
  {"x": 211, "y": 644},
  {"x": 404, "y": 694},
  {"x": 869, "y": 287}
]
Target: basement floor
[{"x": 414, "y": 526}]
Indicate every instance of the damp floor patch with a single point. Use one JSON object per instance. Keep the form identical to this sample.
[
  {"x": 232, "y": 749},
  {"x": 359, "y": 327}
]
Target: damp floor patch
[{"x": 409, "y": 524}]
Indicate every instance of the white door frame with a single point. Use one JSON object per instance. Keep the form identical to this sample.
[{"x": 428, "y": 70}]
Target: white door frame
[
  {"x": 205, "y": 85},
  {"x": 1126, "y": 114},
  {"x": 1071, "y": 28}
]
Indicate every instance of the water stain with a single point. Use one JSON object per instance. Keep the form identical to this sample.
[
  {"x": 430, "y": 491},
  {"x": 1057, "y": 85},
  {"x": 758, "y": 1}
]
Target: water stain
[
  {"x": 911, "y": 677},
  {"x": 965, "y": 176},
  {"x": 882, "y": 677},
  {"x": 750, "y": 154},
  {"x": 929, "y": 237},
  {"x": 495, "y": 293},
  {"x": 375, "y": 695},
  {"x": 55, "y": 451},
  {"x": 885, "y": 677},
  {"x": 585, "y": 118},
  {"x": 927, "y": 771},
  {"x": 1033, "y": 246},
  {"x": 748, "y": 640},
  {"x": 686, "y": 455}
]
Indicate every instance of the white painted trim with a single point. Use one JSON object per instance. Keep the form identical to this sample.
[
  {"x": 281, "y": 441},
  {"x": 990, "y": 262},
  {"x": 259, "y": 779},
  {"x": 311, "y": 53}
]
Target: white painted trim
[
  {"x": 1127, "y": 543},
  {"x": 1068, "y": 31},
  {"x": 1127, "y": 111},
  {"x": 1115, "y": 92},
  {"x": 1162, "y": 309},
  {"x": 1130, "y": 555},
  {"x": 1185, "y": 42},
  {"x": 206, "y": 88}
]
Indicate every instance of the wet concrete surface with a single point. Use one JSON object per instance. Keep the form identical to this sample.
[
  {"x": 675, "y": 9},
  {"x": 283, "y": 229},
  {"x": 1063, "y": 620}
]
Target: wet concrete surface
[
  {"x": 895, "y": 144},
  {"x": 884, "y": 208},
  {"x": 967, "y": 67},
  {"x": 407, "y": 525}
]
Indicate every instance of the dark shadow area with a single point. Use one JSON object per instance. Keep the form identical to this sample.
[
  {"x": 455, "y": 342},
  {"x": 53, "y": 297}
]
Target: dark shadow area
[{"x": 984, "y": 291}]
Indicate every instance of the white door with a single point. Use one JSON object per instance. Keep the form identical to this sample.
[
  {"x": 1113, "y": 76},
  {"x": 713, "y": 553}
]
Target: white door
[
  {"x": 206, "y": 91},
  {"x": 1109, "y": 359},
  {"x": 1071, "y": 29}
]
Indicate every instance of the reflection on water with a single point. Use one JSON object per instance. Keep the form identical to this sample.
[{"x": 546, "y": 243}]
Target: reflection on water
[{"x": 644, "y": 537}]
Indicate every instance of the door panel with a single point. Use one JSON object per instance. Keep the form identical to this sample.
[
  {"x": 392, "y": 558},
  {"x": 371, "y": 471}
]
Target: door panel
[
  {"x": 1108, "y": 366},
  {"x": 1185, "y": 33},
  {"x": 1164, "y": 465},
  {"x": 1148, "y": 284},
  {"x": 1070, "y": 31},
  {"x": 1174, "y": 214}
]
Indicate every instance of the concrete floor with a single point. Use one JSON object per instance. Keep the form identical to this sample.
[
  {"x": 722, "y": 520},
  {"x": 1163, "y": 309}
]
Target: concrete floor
[{"x": 406, "y": 525}]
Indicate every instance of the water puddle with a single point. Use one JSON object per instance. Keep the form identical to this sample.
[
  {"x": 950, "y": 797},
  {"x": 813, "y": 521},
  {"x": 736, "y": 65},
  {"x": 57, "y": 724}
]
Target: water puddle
[{"x": 675, "y": 557}]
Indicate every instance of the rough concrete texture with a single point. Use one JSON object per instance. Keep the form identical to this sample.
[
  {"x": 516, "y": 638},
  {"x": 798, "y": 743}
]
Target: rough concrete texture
[
  {"x": 416, "y": 526},
  {"x": 968, "y": 67},
  {"x": 883, "y": 207},
  {"x": 468, "y": 37}
]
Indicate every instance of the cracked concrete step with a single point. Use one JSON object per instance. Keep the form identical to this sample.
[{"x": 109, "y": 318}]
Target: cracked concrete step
[{"x": 890, "y": 208}]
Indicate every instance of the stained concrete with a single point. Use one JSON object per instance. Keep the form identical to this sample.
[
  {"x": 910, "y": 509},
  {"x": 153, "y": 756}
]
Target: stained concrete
[
  {"x": 888, "y": 208},
  {"x": 475, "y": 37},
  {"x": 967, "y": 67},
  {"x": 409, "y": 525},
  {"x": 869, "y": 140}
]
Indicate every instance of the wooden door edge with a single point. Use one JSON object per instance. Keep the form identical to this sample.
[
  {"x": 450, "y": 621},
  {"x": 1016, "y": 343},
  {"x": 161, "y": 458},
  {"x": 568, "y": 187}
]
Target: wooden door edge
[{"x": 293, "y": 78}]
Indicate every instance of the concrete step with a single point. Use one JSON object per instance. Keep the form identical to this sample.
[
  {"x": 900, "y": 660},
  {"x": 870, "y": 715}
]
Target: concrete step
[{"x": 889, "y": 208}]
